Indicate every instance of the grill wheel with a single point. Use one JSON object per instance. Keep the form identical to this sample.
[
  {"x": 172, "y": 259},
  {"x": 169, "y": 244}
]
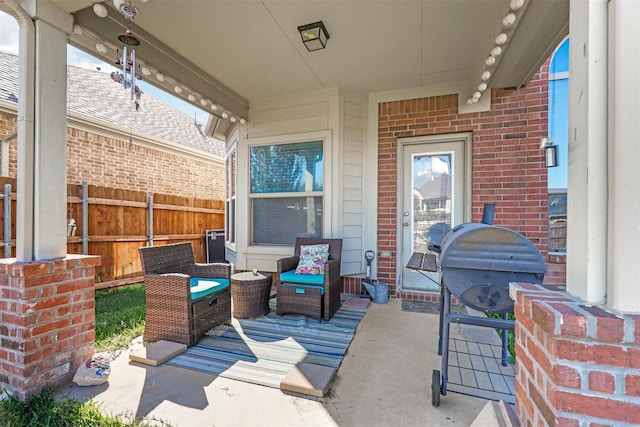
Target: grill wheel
[{"x": 435, "y": 388}]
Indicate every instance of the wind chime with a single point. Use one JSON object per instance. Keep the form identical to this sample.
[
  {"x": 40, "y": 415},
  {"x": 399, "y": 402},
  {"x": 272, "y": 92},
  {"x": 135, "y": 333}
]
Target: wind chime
[{"x": 128, "y": 76}]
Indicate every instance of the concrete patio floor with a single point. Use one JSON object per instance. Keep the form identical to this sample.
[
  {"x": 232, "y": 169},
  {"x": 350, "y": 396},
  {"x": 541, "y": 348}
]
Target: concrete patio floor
[{"x": 384, "y": 380}]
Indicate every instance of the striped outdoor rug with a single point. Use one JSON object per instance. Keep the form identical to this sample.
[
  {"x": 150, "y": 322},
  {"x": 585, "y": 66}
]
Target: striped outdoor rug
[{"x": 264, "y": 350}]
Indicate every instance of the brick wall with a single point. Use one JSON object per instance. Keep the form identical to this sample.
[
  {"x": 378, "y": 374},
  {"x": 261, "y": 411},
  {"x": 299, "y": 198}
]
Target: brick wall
[
  {"x": 577, "y": 364},
  {"x": 508, "y": 165},
  {"x": 47, "y": 321},
  {"x": 110, "y": 162}
]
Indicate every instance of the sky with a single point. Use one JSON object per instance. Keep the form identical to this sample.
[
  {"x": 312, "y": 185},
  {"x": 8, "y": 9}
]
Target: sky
[{"x": 76, "y": 57}]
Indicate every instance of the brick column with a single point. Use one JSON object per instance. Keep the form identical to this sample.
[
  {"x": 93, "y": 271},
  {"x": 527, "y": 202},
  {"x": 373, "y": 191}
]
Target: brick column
[
  {"x": 47, "y": 321},
  {"x": 576, "y": 364}
]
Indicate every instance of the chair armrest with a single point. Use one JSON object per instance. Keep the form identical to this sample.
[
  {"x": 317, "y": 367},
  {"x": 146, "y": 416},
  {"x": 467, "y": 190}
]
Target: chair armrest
[
  {"x": 219, "y": 270},
  {"x": 167, "y": 284},
  {"x": 332, "y": 269},
  {"x": 287, "y": 264}
]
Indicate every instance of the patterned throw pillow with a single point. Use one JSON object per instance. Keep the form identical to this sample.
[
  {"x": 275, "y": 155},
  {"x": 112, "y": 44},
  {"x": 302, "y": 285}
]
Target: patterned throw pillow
[{"x": 313, "y": 258}]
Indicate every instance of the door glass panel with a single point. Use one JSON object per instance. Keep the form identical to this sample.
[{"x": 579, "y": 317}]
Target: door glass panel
[{"x": 431, "y": 200}]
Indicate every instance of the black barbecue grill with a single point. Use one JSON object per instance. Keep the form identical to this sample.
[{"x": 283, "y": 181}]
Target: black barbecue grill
[{"x": 477, "y": 262}]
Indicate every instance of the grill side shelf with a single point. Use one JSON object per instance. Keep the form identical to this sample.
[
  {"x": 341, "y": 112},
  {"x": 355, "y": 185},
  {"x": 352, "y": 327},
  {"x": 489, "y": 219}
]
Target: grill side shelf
[{"x": 422, "y": 261}]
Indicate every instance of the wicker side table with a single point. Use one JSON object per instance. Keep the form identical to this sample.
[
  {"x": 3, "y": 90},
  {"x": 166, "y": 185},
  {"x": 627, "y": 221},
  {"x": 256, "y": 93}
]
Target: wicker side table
[{"x": 250, "y": 294}]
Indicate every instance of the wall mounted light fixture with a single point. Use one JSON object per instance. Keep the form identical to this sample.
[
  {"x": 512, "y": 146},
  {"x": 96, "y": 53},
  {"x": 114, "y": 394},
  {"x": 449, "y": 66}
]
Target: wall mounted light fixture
[
  {"x": 314, "y": 36},
  {"x": 550, "y": 152}
]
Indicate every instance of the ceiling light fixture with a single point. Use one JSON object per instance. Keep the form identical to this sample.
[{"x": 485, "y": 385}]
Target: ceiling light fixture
[
  {"x": 160, "y": 77},
  {"x": 314, "y": 36}
]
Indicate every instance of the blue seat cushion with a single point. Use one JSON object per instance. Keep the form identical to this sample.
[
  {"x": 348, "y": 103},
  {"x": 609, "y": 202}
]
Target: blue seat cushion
[
  {"x": 305, "y": 279},
  {"x": 201, "y": 287},
  {"x": 300, "y": 289}
]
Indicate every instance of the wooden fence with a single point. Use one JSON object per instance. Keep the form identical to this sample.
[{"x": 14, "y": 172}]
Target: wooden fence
[{"x": 117, "y": 224}]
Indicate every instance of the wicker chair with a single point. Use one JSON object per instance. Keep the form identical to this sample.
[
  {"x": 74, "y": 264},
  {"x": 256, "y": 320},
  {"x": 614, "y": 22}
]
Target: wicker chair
[
  {"x": 319, "y": 302},
  {"x": 173, "y": 312}
]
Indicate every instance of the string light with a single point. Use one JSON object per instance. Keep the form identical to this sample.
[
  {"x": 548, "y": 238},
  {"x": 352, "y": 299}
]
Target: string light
[{"x": 501, "y": 39}]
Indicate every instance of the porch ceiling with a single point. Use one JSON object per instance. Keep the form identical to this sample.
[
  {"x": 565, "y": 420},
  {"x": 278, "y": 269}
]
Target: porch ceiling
[{"x": 231, "y": 52}]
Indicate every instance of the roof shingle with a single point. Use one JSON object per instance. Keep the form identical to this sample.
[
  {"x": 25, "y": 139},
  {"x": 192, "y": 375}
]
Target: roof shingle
[{"x": 95, "y": 94}]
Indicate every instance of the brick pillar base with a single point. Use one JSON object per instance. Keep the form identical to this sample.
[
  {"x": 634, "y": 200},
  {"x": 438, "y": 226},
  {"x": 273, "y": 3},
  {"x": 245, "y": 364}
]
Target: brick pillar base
[
  {"x": 576, "y": 364},
  {"x": 47, "y": 321}
]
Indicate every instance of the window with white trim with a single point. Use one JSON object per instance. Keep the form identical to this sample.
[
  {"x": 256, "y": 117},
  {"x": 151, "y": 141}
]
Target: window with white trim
[
  {"x": 230, "y": 200},
  {"x": 286, "y": 192}
]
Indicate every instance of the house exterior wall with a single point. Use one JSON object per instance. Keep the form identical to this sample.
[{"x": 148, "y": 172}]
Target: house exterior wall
[
  {"x": 339, "y": 118},
  {"x": 507, "y": 168},
  {"x": 102, "y": 157}
]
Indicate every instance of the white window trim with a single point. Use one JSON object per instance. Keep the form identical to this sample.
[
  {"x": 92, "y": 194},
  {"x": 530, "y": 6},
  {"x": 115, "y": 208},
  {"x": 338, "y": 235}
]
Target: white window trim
[
  {"x": 244, "y": 185},
  {"x": 231, "y": 148}
]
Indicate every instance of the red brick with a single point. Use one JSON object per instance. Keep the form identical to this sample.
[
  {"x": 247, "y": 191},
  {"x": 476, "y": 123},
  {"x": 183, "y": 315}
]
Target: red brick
[
  {"x": 601, "y": 354},
  {"x": 632, "y": 385},
  {"x": 50, "y": 303},
  {"x": 610, "y": 328},
  {"x": 567, "y": 422},
  {"x": 598, "y": 407},
  {"x": 46, "y": 279},
  {"x": 572, "y": 322},
  {"x": 566, "y": 376},
  {"x": 543, "y": 407},
  {"x": 56, "y": 326},
  {"x": 603, "y": 382},
  {"x": 635, "y": 318}
]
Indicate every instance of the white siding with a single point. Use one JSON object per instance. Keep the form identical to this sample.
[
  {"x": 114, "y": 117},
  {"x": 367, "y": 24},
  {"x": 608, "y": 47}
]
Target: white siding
[{"x": 343, "y": 116}]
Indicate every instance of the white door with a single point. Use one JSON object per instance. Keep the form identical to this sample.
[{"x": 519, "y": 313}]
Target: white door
[{"x": 433, "y": 200}]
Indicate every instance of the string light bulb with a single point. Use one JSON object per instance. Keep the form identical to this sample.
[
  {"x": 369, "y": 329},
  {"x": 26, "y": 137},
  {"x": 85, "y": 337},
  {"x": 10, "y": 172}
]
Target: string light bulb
[
  {"x": 501, "y": 39},
  {"x": 509, "y": 20},
  {"x": 516, "y": 4},
  {"x": 100, "y": 10}
]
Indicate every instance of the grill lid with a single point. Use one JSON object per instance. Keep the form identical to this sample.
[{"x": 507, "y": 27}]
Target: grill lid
[{"x": 477, "y": 246}]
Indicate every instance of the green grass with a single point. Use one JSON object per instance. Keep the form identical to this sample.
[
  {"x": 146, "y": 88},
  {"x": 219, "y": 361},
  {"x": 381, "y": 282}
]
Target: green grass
[
  {"x": 45, "y": 410},
  {"x": 510, "y": 337},
  {"x": 119, "y": 317}
]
